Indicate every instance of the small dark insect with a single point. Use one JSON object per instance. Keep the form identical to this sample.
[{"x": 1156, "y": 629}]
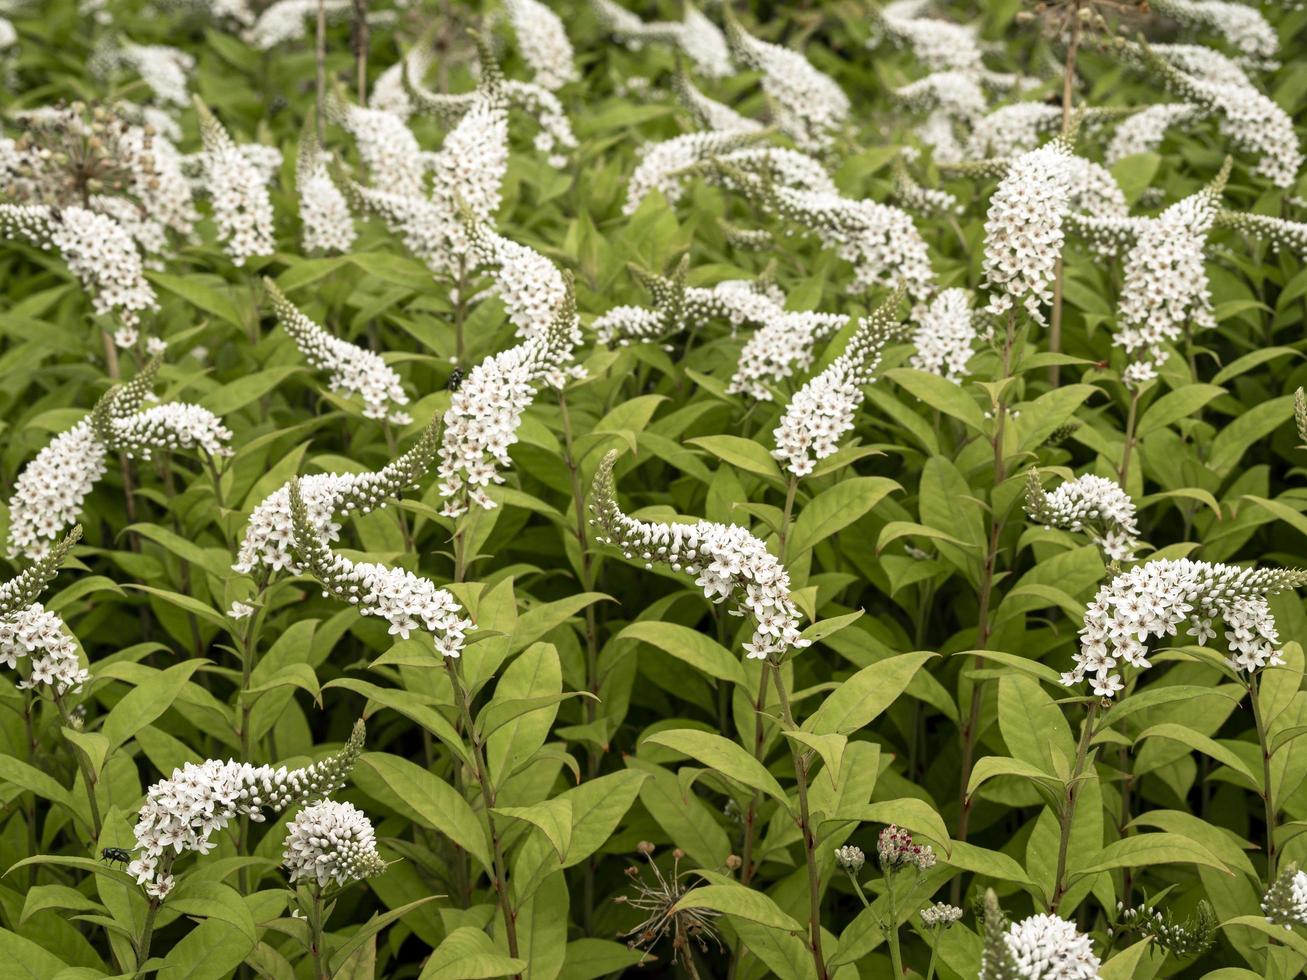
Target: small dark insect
[
  {"x": 455, "y": 379},
  {"x": 113, "y": 854}
]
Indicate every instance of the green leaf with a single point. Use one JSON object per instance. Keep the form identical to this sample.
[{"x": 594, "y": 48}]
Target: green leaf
[
  {"x": 206, "y": 298},
  {"x": 690, "y": 646},
  {"x": 469, "y": 954},
  {"x": 723, "y": 756},
  {"x": 147, "y": 701},
  {"x": 590, "y": 959},
  {"x": 235, "y": 395},
  {"x": 552, "y": 817},
  {"x": 1196, "y": 740},
  {"x": 915, "y": 815},
  {"x": 835, "y": 509},
  {"x": 184, "y": 603},
  {"x": 739, "y": 902},
  {"x": 598, "y": 806},
  {"x": 210, "y": 951},
  {"x": 858, "y": 700},
  {"x": 1247, "y": 430},
  {"x": 829, "y": 747},
  {"x": 374, "y": 925},
  {"x": 537, "y": 621},
  {"x": 741, "y": 453},
  {"x": 24, "y": 958},
  {"x": 1176, "y": 405},
  {"x": 895, "y": 530},
  {"x": 1149, "y": 849},
  {"x": 940, "y": 393},
  {"x": 421, "y": 796}
]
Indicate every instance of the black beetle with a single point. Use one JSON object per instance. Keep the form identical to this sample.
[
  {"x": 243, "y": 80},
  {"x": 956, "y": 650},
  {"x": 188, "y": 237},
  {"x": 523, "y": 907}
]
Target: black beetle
[{"x": 112, "y": 854}]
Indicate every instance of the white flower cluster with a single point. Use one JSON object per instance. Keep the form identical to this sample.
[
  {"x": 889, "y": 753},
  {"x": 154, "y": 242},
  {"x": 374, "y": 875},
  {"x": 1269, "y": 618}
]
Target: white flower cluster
[
  {"x": 287, "y": 20},
  {"x": 531, "y": 287},
  {"x": 50, "y": 491},
  {"x": 696, "y": 36},
  {"x": 238, "y": 191},
  {"x": 1023, "y": 229},
  {"x": 1143, "y": 131},
  {"x": 823, "y": 410},
  {"x": 388, "y": 148},
  {"x": 955, "y": 93},
  {"x": 165, "y": 70},
  {"x": 269, "y": 539},
  {"x": 484, "y": 414},
  {"x": 406, "y": 601},
  {"x": 469, "y": 169},
  {"x": 1243, "y": 26},
  {"x": 937, "y": 132},
  {"x": 779, "y": 349},
  {"x": 1285, "y": 903},
  {"x": 878, "y": 240},
  {"x": 39, "y": 635},
  {"x": 1153, "y": 599},
  {"x": 1094, "y": 190},
  {"x": 938, "y": 44},
  {"x": 919, "y": 199},
  {"x": 99, "y": 252},
  {"x": 1247, "y": 116},
  {"x": 624, "y": 325},
  {"x": 182, "y": 813},
  {"x": 895, "y": 849},
  {"x": 352, "y": 369},
  {"x": 1048, "y": 947},
  {"x": 810, "y": 107},
  {"x": 428, "y": 229},
  {"x": 945, "y": 335},
  {"x": 1092, "y": 504},
  {"x": 1165, "y": 284},
  {"x": 662, "y": 165},
  {"x": 940, "y": 915},
  {"x": 168, "y": 427},
  {"x": 711, "y": 114},
  {"x": 729, "y": 564},
  {"x": 1013, "y": 129},
  {"x": 327, "y": 225},
  {"x": 331, "y": 841},
  {"x": 543, "y": 42}
]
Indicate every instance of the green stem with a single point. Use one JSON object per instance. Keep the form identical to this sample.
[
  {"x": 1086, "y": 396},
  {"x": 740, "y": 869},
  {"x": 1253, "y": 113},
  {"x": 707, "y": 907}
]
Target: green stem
[
  {"x": 1067, "y": 816},
  {"x": 482, "y": 774},
  {"x": 1268, "y": 800},
  {"x": 805, "y": 827},
  {"x": 784, "y": 535},
  {"x": 892, "y": 927},
  {"x": 89, "y": 778},
  {"x": 1124, "y": 472},
  {"x": 317, "y": 939},
  {"x": 934, "y": 953}
]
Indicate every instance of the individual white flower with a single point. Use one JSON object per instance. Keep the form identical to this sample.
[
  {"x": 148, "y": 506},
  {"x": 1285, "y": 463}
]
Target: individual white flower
[
  {"x": 823, "y": 410},
  {"x": 729, "y": 563},
  {"x": 1047, "y": 947},
  {"x": 406, "y": 601},
  {"x": 331, "y": 841},
  {"x": 99, "y": 252},
  {"x": 1166, "y": 284},
  {"x": 238, "y": 191},
  {"x": 327, "y": 225},
  {"x": 1023, "y": 229},
  {"x": 1089, "y": 503},
  {"x": 1153, "y": 599},
  {"x": 1143, "y": 131},
  {"x": 945, "y": 335},
  {"x": 388, "y": 148},
  {"x": 125, "y": 337},
  {"x": 352, "y": 370},
  {"x": 484, "y": 413},
  {"x": 810, "y": 106},
  {"x": 183, "y": 812},
  {"x": 239, "y": 611},
  {"x": 1243, "y": 26},
  {"x": 542, "y": 41}
]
